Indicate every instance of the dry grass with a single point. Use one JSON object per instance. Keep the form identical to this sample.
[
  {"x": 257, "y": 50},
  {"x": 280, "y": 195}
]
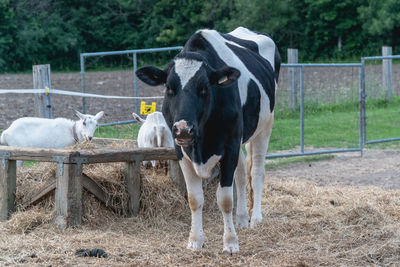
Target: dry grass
[{"x": 304, "y": 225}]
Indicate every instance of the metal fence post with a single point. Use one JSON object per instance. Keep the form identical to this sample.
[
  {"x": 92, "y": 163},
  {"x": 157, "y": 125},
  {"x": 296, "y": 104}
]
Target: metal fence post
[
  {"x": 387, "y": 72},
  {"x": 362, "y": 99},
  {"x": 83, "y": 83},
  {"x": 302, "y": 108},
  {"x": 135, "y": 82},
  {"x": 292, "y": 74},
  {"x": 41, "y": 80}
]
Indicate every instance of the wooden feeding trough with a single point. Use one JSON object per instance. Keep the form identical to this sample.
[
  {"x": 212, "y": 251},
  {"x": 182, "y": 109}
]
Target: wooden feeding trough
[{"x": 70, "y": 180}]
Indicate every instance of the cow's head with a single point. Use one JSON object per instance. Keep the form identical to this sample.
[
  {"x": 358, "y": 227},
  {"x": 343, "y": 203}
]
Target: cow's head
[{"x": 188, "y": 102}]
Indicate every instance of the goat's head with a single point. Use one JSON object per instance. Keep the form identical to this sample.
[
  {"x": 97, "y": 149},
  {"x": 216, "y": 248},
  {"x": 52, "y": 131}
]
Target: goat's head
[{"x": 87, "y": 125}]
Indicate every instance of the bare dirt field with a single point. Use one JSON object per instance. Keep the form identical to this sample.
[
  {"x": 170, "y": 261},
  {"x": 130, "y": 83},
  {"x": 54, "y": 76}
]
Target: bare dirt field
[
  {"x": 322, "y": 85},
  {"x": 342, "y": 211}
]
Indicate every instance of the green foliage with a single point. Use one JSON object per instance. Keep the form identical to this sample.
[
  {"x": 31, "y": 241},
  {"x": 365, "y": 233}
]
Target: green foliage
[
  {"x": 56, "y": 31},
  {"x": 7, "y": 27}
]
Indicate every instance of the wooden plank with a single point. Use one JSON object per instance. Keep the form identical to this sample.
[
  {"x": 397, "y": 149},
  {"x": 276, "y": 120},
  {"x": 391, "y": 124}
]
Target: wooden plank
[
  {"x": 99, "y": 156},
  {"x": 133, "y": 187},
  {"x": 292, "y": 75},
  {"x": 68, "y": 200},
  {"x": 91, "y": 186},
  {"x": 387, "y": 79},
  {"x": 41, "y": 80},
  {"x": 8, "y": 178},
  {"x": 89, "y": 156},
  {"x": 37, "y": 154},
  {"x": 88, "y": 183},
  {"x": 40, "y": 194}
]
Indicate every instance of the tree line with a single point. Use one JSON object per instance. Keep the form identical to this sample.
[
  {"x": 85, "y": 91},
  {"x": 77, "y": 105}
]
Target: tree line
[{"x": 57, "y": 31}]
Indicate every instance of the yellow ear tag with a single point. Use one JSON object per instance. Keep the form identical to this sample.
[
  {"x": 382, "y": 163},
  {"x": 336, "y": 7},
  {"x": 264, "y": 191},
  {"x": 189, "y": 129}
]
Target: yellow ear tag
[
  {"x": 47, "y": 90},
  {"x": 222, "y": 80},
  {"x": 147, "y": 109}
]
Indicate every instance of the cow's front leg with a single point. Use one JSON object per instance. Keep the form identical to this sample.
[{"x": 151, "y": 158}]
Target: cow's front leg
[
  {"x": 225, "y": 204},
  {"x": 194, "y": 187},
  {"x": 225, "y": 197}
]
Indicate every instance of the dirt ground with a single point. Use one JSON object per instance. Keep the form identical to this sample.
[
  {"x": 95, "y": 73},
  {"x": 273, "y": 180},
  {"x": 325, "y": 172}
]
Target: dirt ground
[{"x": 376, "y": 167}]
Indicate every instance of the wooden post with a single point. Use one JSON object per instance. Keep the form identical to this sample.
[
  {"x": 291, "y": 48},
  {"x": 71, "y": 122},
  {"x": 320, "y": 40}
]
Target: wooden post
[
  {"x": 292, "y": 74},
  {"x": 41, "y": 79},
  {"x": 133, "y": 186},
  {"x": 176, "y": 175},
  {"x": 68, "y": 202},
  {"x": 8, "y": 178},
  {"x": 387, "y": 72}
]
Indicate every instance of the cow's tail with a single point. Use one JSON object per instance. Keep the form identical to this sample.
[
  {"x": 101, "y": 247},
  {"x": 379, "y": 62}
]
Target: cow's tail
[{"x": 248, "y": 171}]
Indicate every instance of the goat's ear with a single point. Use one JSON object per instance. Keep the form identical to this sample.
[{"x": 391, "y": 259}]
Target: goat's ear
[
  {"x": 224, "y": 76},
  {"x": 80, "y": 115},
  {"x": 99, "y": 115},
  {"x": 138, "y": 118},
  {"x": 152, "y": 75}
]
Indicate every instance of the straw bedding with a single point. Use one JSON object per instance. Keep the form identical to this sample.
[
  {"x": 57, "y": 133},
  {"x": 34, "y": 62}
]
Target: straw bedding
[{"x": 305, "y": 224}]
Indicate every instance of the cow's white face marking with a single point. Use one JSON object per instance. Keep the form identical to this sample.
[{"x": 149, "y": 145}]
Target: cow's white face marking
[
  {"x": 203, "y": 170},
  {"x": 186, "y": 69}
]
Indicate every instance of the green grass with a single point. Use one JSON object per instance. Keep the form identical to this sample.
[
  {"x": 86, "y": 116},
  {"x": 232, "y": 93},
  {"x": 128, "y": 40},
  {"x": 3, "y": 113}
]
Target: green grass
[
  {"x": 125, "y": 131},
  {"x": 336, "y": 125},
  {"x": 325, "y": 126}
]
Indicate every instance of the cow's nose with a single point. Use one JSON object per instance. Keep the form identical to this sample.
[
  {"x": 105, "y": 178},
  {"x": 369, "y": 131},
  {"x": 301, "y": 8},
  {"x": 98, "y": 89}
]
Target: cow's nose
[
  {"x": 183, "y": 133},
  {"x": 182, "y": 129}
]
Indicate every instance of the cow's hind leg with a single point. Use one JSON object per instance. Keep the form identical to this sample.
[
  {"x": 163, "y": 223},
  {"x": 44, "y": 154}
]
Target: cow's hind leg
[
  {"x": 242, "y": 215},
  {"x": 194, "y": 185},
  {"x": 256, "y": 154}
]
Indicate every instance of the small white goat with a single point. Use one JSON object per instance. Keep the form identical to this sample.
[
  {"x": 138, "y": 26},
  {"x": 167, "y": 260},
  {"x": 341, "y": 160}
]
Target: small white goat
[
  {"x": 50, "y": 133},
  {"x": 154, "y": 132}
]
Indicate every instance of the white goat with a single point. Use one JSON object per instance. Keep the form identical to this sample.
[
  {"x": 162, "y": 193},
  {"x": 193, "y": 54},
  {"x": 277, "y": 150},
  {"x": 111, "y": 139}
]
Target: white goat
[
  {"x": 154, "y": 132},
  {"x": 50, "y": 133}
]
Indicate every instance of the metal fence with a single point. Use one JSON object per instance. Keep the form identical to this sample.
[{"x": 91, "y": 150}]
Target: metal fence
[
  {"x": 301, "y": 68},
  {"x": 134, "y": 81},
  {"x": 387, "y": 93},
  {"x": 341, "y": 86}
]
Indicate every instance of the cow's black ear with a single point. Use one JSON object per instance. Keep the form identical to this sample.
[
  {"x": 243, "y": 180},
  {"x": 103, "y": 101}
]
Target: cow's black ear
[
  {"x": 152, "y": 75},
  {"x": 224, "y": 76}
]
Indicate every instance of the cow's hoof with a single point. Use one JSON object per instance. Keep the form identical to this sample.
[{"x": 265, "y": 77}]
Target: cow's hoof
[
  {"x": 195, "y": 245},
  {"x": 242, "y": 221},
  {"x": 231, "y": 248},
  {"x": 255, "y": 220}
]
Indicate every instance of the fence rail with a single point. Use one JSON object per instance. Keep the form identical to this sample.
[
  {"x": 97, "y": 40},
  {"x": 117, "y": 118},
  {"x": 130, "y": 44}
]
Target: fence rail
[
  {"x": 300, "y": 67},
  {"x": 134, "y": 52}
]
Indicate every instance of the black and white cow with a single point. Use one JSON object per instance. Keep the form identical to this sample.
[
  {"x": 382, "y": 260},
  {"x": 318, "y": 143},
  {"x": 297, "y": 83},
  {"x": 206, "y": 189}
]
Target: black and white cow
[{"x": 220, "y": 94}]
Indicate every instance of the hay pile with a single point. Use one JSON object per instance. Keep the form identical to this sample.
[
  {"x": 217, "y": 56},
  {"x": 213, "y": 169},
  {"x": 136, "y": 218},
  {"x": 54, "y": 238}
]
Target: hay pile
[
  {"x": 304, "y": 225},
  {"x": 157, "y": 189}
]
